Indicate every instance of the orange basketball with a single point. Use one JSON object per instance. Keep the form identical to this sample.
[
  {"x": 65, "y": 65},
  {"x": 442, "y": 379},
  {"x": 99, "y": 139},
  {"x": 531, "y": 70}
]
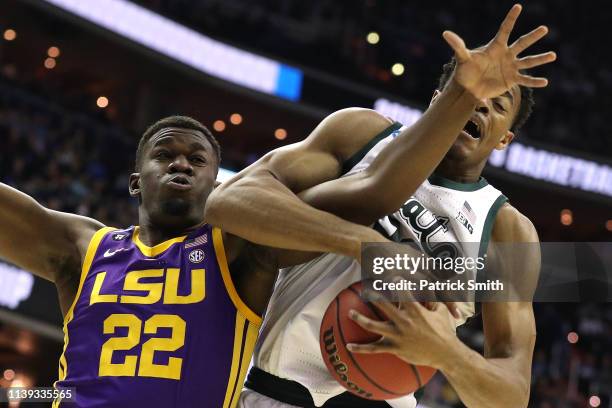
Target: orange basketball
[{"x": 373, "y": 376}]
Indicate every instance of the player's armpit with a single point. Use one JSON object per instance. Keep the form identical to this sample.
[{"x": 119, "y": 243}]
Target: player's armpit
[
  {"x": 254, "y": 268},
  {"x": 47, "y": 243}
]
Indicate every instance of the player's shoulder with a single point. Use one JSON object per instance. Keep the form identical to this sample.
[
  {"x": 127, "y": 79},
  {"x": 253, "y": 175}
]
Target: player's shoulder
[
  {"x": 513, "y": 226},
  {"x": 347, "y": 130}
]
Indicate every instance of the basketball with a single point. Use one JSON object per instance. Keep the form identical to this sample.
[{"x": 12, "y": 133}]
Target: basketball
[{"x": 374, "y": 376}]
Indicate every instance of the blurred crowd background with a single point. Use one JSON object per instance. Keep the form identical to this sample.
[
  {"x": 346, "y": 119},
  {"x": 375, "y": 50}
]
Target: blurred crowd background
[
  {"x": 72, "y": 151},
  {"x": 332, "y": 35}
]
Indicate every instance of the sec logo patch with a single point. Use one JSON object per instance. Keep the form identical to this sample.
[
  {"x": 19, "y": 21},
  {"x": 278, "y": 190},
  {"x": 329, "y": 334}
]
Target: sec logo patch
[{"x": 196, "y": 256}]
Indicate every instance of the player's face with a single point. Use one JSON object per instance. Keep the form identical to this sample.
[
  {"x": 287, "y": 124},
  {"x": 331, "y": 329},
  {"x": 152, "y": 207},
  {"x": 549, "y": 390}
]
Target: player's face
[
  {"x": 488, "y": 129},
  {"x": 178, "y": 171}
]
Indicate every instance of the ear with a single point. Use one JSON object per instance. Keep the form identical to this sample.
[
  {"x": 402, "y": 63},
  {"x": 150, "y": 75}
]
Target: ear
[
  {"x": 434, "y": 96},
  {"x": 134, "y": 185},
  {"x": 505, "y": 140}
]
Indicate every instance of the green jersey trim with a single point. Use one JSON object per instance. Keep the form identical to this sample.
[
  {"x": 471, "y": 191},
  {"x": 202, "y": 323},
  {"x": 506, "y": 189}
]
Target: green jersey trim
[
  {"x": 487, "y": 229},
  {"x": 454, "y": 185},
  {"x": 357, "y": 157}
]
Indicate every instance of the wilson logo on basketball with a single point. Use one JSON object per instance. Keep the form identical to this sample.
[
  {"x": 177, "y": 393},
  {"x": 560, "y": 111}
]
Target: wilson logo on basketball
[{"x": 339, "y": 366}]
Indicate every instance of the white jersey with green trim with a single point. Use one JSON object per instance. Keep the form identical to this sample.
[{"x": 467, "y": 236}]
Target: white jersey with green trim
[{"x": 441, "y": 216}]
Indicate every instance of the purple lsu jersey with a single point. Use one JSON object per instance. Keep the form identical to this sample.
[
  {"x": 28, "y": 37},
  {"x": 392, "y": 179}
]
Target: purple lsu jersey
[{"x": 158, "y": 326}]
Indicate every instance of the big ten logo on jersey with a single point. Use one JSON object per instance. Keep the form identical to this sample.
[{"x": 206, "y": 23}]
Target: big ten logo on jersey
[
  {"x": 466, "y": 217},
  {"x": 430, "y": 229},
  {"x": 164, "y": 288}
]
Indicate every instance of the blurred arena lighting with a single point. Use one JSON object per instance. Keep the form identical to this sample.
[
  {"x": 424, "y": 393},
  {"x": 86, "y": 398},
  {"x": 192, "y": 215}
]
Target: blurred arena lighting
[
  {"x": 224, "y": 174},
  {"x": 594, "y": 401},
  {"x": 50, "y": 63},
  {"x": 53, "y": 52},
  {"x": 25, "y": 342},
  {"x": 567, "y": 218},
  {"x": 396, "y": 111},
  {"x": 15, "y": 285},
  {"x": 10, "y": 34},
  {"x": 609, "y": 225},
  {"x": 219, "y": 125},
  {"x": 235, "y": 118},
  {"x": 102, "y": 102},
  {"x": 518, "y": 158},
  {"x": 9, "y": 375},
  {"x": 373, "y": 38},
  {"x": 280, "y": 134},
  {"x": 556, "y": 168},
  {"x": 188, "y": 46},
  {"x": 572, "y": 337},
  {"x": 397, "y": 69}
]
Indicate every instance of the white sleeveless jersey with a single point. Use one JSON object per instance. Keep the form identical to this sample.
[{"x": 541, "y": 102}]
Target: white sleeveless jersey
[{"x": 440, "y": 212}]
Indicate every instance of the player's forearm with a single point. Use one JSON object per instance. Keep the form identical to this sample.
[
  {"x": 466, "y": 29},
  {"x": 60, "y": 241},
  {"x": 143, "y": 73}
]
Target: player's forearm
[
  {"x": 262, "y": 210},
  {"x": 401, "y": 167},
  {"x": 482, "y": 382}
]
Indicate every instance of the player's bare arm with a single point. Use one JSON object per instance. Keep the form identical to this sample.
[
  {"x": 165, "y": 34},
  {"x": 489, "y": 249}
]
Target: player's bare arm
[
  {"x": 264, "y": 192},
  {"x": 482, "y": 73},
  {"x": 48, "y": 243},
  {"x": 501, "y": 377}
]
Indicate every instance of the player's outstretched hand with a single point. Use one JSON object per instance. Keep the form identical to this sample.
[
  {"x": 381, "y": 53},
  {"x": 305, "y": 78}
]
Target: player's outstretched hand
[{"x": 493, "y": 69}]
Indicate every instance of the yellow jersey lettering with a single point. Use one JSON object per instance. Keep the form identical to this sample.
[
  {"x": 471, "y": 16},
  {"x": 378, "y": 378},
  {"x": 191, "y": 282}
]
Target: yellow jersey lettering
[
  {"x": 198, "y": 291},
  {"x": 172, "y": 370},
  {"x": 153, "y": 289},
  {"x": 96, "y": 297}
]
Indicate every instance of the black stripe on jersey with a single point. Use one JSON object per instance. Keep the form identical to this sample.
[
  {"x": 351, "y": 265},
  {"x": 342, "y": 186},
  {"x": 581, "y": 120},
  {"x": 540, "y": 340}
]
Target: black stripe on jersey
[
  {"x": 245, "y": 331},
  {"x": 356, "y": 158}
]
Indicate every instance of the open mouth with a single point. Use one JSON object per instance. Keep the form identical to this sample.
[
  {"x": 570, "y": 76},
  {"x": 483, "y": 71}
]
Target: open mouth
[{"x": 472, "y": 129}]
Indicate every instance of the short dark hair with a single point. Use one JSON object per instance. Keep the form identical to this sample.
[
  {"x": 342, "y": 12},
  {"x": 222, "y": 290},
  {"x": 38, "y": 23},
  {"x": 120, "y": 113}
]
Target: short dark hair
[
  {"x": 527, "y": 101},
  {"x": 176, "y": 121}
]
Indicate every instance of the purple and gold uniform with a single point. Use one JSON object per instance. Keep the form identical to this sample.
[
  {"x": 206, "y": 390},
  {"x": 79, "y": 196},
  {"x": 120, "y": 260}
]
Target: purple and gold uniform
[{"x": 158, "y": 326}]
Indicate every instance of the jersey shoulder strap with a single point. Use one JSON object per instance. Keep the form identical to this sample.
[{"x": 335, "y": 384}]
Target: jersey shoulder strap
[{"x": 357, "y": 157}]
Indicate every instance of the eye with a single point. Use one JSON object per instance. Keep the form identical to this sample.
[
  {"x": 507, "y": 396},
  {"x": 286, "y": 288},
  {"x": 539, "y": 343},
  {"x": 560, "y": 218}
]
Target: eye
[
  {"x": 499, "y": 106},
  {"x": 199, "y": 160},
  {"x": 162, "y": 154}
]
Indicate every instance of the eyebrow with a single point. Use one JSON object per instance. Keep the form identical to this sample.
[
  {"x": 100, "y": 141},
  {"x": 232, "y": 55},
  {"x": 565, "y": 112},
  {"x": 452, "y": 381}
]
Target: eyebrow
[
  {"x": 168, "y": 140},
  {"x": 508, "y": 95}
]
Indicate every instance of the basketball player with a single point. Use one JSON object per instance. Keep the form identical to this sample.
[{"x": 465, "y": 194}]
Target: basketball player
[
  {"x": 151, "y": 312},
  {"x": 152, "y": 315},
  {"x": 289, "y": 370}
]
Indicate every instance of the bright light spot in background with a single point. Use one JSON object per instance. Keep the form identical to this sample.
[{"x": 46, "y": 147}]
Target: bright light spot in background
[
  {"x": 10, "y": 34},
  {"x": 219, "y": 125},
  {"x": 280, "y": 134},
  {"x": 609, "y": 225},
  {"x": 53, "y": 52},
  {"x": 236, "y": 119},
  {"x": 594, "y": 401},
  {"x": 397, "y": 69},
  {"x": 567, "y": 217},
  {"x": 102, "y": 102},
  {"x": 162, "y": 35},
  {"x": 50, "y": 63},
  {"x": 9, "y": 375},
  {"x": 373, "y": 38},
  {"x": 572, "y": 337}
]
